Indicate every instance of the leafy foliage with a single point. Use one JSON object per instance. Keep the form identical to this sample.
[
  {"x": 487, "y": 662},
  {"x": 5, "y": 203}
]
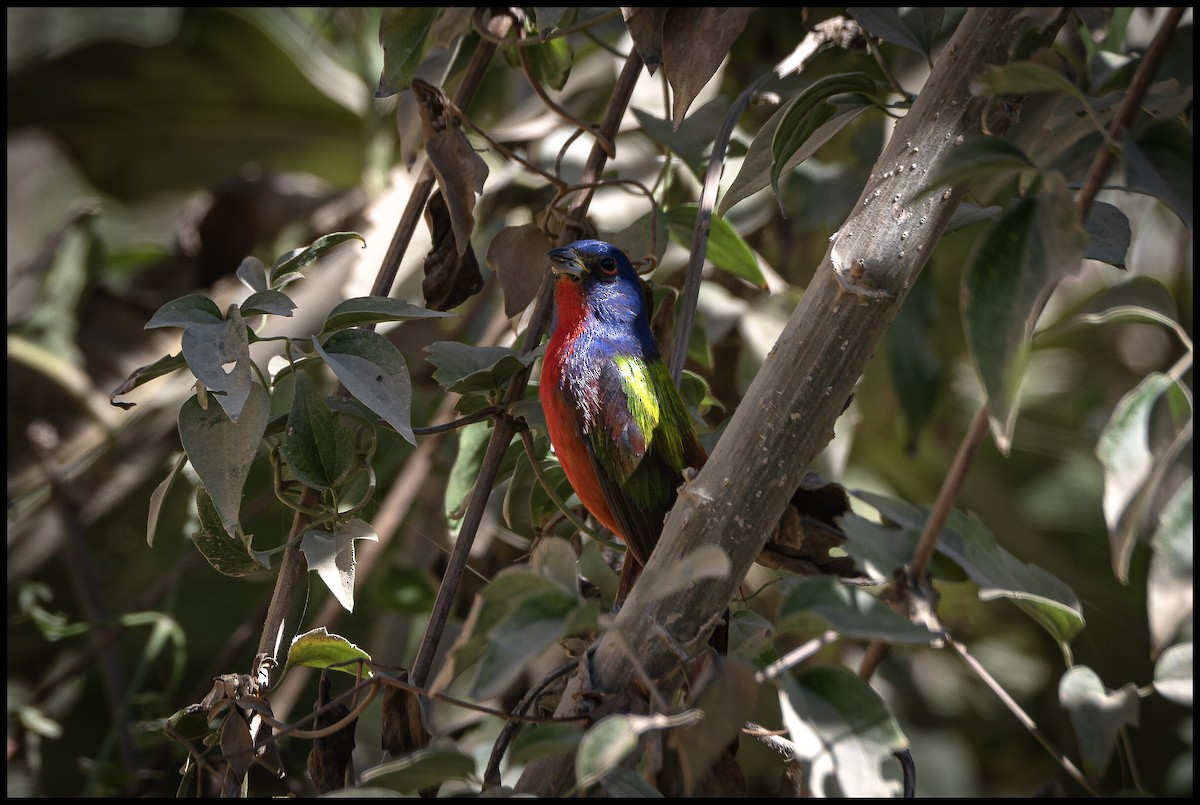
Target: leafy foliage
[{"x": 385, "y": 436}]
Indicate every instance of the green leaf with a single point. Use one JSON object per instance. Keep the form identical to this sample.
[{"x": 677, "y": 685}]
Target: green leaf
[
  {"x": 992, "y": 158},
  {"x": 692, "y": 141},
  {"x": 968, "y": 542},
  {"x": 1035, "y": 242},
  {"x": 318, "y": 449},
  {"x": 229, "y": 554},
  {"x": 526, "y": 503},
  {"x": 158, "y": 496},
  {"x": 219, "y": 356},
  {"x": 550, "y": 61},
  {"x": 424, "y": 768},
  {"x": 758, "y": 164},
  {"x": 915, "y": 368},
  {"x": 472, "y": 445},
  {"x": 726, "y": 249},
  {"x": 163, "y": 366},
  {"x": 191, "y": 309},
  {"x": 913, "y": 28},
  {"x": 366, "y": 310},
  {"x": 1108, "y": 234},
  {"x": 374, "y": 371},
  {"x": 1169, "y": 582},
  {"x": 850, "y": 611},
  {"x": 331, "y": 556},
  {"x": 464, "y": 369},
  {"x": 1174, "y": 674},
  {"x": 1096, "y": 715},
  {"x": 812, "y": 108},
  {"x": 1124, "y": 451},
  {"x": 614, "y": 738},
  {"x": 544, "y": 740},
  {"x": 253, "y": 274},
  {"x": 534, "y": 621},
  {"x": 842, "y": 730},
  {"x": 1026, "y": 78},
  {"x": 221, "y": 451},
  {"x": 403, "y": 33},
  {"x": 320, "y": 649},
  {"x": 290, "y": 265},
  {"x": 273, "y": 303},
  {"x": 1158, "y": 161}
]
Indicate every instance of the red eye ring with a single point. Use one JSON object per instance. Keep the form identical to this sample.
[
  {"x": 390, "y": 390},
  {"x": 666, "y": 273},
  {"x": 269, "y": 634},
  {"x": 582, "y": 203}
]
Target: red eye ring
[{"x": 608, "y": 265}]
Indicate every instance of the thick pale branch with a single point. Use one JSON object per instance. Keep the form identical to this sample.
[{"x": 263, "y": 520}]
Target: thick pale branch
[{"x": 788, "y": 415}]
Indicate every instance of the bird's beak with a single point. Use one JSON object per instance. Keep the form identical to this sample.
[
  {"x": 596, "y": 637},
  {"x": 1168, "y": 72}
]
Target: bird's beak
[{"x": 564, "y": 260}]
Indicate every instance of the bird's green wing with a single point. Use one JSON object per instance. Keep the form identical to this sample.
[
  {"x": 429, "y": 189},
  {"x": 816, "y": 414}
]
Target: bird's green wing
[{"x": 641, "y": 442}]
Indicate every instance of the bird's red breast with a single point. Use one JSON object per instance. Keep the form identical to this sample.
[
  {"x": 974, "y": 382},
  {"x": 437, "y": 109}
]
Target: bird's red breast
[{"x": 563, "y": 409}]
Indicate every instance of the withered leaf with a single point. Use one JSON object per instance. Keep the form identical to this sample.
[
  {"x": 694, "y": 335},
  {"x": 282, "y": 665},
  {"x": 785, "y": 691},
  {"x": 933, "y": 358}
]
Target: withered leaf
[
  {"x": 518, "y": 256},
  {"x": 403, "y": 727},
  {"x": 645, "y": 27},
  {"x": 460, "y": 172},
  {"x": 238, "y": 750},
  {"x": 329, "y": 762},
  {"x": 451, "y": 277},
  {"x": 695, "y": 42}
]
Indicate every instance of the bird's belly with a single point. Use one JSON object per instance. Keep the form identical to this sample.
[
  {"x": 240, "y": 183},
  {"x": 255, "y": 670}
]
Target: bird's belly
[{"x": 565, "y": 435}]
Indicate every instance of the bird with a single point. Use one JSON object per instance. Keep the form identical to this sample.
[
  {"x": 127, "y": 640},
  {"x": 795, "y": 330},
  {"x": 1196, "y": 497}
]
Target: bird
[{"x": 615, "y": 418}]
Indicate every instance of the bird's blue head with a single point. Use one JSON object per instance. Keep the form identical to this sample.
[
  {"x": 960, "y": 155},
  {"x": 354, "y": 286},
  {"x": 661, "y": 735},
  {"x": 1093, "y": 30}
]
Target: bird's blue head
[{"x": 605, "y": 278}]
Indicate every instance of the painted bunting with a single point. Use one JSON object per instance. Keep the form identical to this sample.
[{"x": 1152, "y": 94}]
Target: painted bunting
[{"x": 617, "y": 422}]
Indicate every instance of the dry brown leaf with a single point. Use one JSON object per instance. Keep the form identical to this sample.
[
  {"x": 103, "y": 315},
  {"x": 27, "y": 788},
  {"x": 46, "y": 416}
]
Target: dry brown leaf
[
  {"x": 329, "y": 762},
  {"x": 727, "y": 700},
  {"x": 451, "y": 277},
  {"x": 646, "y": 29},
  {"x": 695, "y": 42},
  {"x": 403, "y": 729},
  {"x": 518, "y": 256},
  {"x": 460, "y": 172}
]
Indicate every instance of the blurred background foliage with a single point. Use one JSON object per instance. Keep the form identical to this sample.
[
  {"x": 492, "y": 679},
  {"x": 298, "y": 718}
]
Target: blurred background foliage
[{"x": 151, "y": 150}]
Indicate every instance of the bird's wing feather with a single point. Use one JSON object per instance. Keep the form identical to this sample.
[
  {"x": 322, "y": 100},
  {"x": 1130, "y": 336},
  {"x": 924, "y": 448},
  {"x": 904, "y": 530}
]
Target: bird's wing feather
[{"x": 642, "y": 442}]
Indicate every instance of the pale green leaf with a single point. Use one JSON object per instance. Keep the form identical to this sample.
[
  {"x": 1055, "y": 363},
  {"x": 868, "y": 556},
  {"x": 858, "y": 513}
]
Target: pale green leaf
[
  {"x": 320, "y": 649},
  {"x": 159, "y": 495},
  {"x": 271, "y": 302},
  {"x": 290, "y": 265},
  {"x": 1170, "y": 579},
  {"x": 1125, "y": 453},
  {"x": 190, "y": 309},
  {"x": 366, "y": 310},
  {"x": 1174, "y": 674},
  {"x": 221, "y": 450},
  {"x": 230, "y": 554},
  {"x": 966, "y": 540},
  {"x": 331, "y": 556},
  {"x": 1096, "y": 714},
  {"x": 219, "y": 356},
  {"x": 463, "y": 368},
  {"x": 374, "y": 371},
  {"x": 913, "y": 28},
  {"x": 543, "y": 740},
  {"x": 842, "y": 730},
  {"x": 850, "y": 611},
  {"x": 424, "y": 768}
]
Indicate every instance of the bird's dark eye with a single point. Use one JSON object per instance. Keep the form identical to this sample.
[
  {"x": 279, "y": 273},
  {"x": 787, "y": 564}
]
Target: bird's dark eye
[{"x": 608, "y": 265}]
